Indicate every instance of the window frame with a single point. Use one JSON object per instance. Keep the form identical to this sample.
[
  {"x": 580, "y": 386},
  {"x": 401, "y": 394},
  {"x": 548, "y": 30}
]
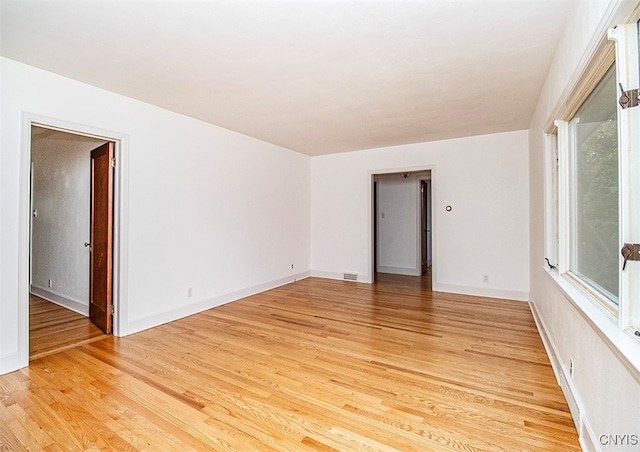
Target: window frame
[
  {"x": 569, "y": 179},
  {"x": 624, "y": 317},
  {"x": 627, "y": 38},
  {"x": 551, "y": 213}
]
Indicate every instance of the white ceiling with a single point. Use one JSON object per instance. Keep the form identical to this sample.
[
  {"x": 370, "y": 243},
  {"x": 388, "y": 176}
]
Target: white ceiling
[{"x": 314, "y": 76}]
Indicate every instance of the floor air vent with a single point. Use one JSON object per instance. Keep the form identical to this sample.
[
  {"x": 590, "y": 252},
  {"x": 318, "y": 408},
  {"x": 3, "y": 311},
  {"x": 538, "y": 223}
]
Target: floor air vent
[{"x": 350, "y": 277}]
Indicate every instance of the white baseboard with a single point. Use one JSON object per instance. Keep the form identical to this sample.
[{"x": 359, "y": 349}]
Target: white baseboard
[
  {"x": 399, "y": 271},
  {"x": 448, "y": 288},
  {"x": 78, "y": 306},
  {"x": 481, "y": 292},
  {"x": 586, "y": 436},
  {"x": 339, "y": 276},
  {"x": 145, "y": 323}
]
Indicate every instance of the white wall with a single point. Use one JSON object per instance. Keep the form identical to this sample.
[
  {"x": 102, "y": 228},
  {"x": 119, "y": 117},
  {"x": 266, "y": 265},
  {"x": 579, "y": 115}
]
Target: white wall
[
  {"x": 484, "y": 179},
  {"x": 62, "y": 198},
  {"x": 398, "y": 224},
  {"x": 208, "y": 209},
  {"x": 605, "y": 388}
]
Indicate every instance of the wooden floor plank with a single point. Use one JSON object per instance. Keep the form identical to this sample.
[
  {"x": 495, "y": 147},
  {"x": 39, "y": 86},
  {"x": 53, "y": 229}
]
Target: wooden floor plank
[
  {"x": 53, "y": 328},
  {"x": 314, "y": 365}
]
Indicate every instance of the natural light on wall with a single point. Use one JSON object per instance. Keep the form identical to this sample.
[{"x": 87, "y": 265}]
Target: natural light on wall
[{"x": 592, "y": 156}]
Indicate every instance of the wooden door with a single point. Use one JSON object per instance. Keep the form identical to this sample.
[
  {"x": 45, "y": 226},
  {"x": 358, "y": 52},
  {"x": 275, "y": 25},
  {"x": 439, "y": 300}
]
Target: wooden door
[{"x": 101, "y": 279}]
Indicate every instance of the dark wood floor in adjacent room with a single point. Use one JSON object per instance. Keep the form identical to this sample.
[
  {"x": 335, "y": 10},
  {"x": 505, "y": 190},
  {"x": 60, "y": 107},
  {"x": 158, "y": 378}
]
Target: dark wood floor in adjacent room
[{"x": 314, "y": 365}]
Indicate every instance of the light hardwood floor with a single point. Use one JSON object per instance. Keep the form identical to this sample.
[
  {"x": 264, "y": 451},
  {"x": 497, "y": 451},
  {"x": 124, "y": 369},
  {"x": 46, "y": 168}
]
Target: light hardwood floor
[
  {"x": 53, "y": 328},
  {"x": 314, "y": 365}
]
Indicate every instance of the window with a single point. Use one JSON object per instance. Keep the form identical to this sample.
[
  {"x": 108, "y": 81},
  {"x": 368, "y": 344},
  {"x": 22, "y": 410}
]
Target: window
[
  {"x": 593, "y": 190},
  {"x": 593, "y": 161}
]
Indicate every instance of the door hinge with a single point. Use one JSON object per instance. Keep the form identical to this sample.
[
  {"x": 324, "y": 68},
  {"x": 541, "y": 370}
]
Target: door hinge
[
  {"x": 628, "y": 99},
  {"x": 630, "y": 252},
  {"x": 110, "y": 309},
  {"x": 112, "y": 162}
]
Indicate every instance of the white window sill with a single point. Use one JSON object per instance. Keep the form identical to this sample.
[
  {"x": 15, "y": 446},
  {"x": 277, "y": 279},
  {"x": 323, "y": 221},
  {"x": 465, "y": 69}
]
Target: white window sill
[{"x": 626, "y": 346}]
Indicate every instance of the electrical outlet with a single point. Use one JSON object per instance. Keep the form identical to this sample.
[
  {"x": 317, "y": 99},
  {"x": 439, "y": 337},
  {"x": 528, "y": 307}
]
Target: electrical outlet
[
  {"x": 190, "y": 292},
  {"x": 291, "y": 266},
  {"x": 570, "y": 367},
  {"x": 485, "y": 278},
  {"x": 50, "y": 283}
]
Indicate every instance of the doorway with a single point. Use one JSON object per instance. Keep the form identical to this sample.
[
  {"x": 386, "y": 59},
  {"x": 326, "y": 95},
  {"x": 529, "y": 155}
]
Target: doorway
[
  {"x": 402, "y": 224},
  {"x": 71, "y": 221}
]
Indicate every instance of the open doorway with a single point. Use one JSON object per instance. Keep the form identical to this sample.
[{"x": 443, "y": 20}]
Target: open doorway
[
  {"x": 402, "y": 232},
  {"x": 71, "y": 200}
]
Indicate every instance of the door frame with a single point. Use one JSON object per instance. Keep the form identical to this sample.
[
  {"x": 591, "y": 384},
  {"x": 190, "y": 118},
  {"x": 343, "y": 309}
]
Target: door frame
[
  {"x": 120, "y": 222},
  {"x": 424, "y": 226},
  {"x": 372, "y": 220},
  {"x": 428, "y": 237}
]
